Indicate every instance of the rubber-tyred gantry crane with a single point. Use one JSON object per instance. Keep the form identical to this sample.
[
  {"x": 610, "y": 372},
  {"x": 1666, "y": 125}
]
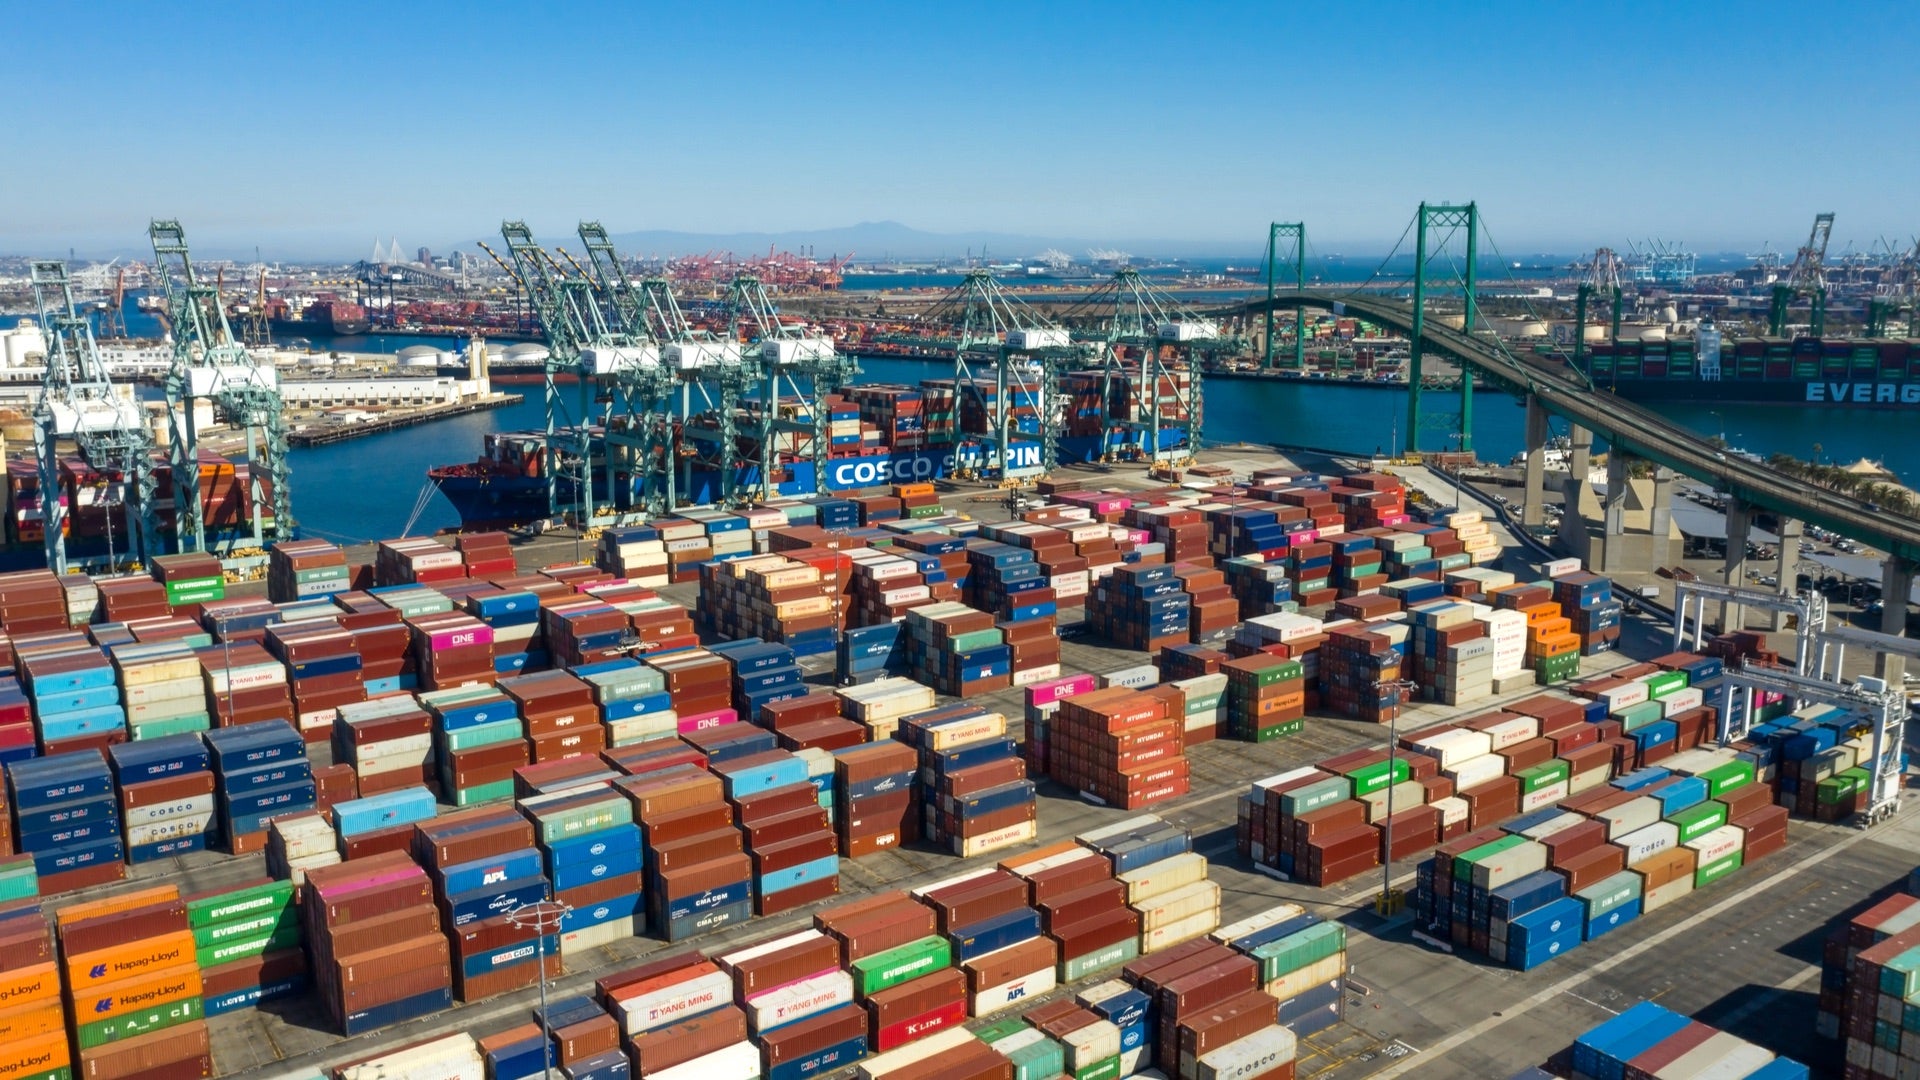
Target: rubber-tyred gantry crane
[{"x": 78, "y": 402}]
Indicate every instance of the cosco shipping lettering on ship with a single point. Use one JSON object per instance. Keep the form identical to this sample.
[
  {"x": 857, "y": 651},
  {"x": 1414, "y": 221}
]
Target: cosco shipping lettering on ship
[{"x": 876, "y": 435}]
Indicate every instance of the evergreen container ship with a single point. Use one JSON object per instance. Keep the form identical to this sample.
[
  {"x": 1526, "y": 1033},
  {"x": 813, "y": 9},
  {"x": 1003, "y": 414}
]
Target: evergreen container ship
[{"x": 1851, "y": 372}]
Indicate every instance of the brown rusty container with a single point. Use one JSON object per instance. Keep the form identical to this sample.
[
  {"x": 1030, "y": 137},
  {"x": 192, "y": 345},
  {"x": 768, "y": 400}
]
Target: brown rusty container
[
  {"x": 406, "y": 924},
  {"x": 815, "y": 1033},
  {"x": 1053, "y": 882},
  {"x": 578, "y": 1042},
  {"x": 773, "y": 803},
  {"x": 726, "y": 870},
  {"x": 139, "y": 924},
  {"x": 681, "y": 824},
  {"x": 388, "y": 961},
  {"x": 705, "y": 847},
  {"x": 238, "y": 975},
  {"x": 398, "y": 838},
  {"x": 911, "y": 999},
  {"x": 1097, "y": 932},
  {"x": 802, "y": 959},
  {"x": 1208, "y": 1030},
  {"x": 970, "y": 901},
  {"x": 1005, "y": 965},
  {"x": 677, "y": 1044},
  {"x": 790, "y": 853},
  {"x": 1095, "y": 899},
  {"x": 791, "y": 826},
  {"x": 608, "y": 984}
]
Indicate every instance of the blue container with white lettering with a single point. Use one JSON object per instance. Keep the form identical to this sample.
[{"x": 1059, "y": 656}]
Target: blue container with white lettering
[
  {"x": 618, "y": 907},
  {"x": 774, "y": 881},
  {"x": 251, "y": 996},
  {"x": 572, "y": 875},
  {"x": 474, "y": 905},
  {"x": 1613, "y": 920},
  {"x": 990, "y": 935},
  {"x": 253, "y": 744},
  {"x": 821, "y": 1062},
  {"x": 480, "y": 873},
  {"x": 383, "y": 811},
  {"x": 407, "y": 1008}
]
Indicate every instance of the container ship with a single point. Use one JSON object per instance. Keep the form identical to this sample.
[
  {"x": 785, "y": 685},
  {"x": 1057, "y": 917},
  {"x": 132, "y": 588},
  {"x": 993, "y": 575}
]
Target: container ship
[
  {"x": 878, "y": 434},
  {"x": 1854, "y": 372},
  {"x": 328, "y": 318}
]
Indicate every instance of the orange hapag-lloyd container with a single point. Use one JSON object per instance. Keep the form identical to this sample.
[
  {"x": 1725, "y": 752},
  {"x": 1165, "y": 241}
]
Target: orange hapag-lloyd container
[
  {"x": 37, "y": 1056},
  {"x": 31, "y": 1019},
  {"x": 41, "y": 982},
  {"x": 129, "y": 995},
  {"x": 131, "y": 960}
]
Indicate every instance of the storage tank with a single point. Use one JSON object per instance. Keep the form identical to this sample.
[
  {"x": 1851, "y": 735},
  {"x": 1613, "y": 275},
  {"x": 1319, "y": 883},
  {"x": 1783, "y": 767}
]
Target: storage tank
[
  {"x": 23, "y": 340},
  {"x": 527, "y": 352},
  {"x": 424, "y": 356},
  {"x": 318, "y": 360}
]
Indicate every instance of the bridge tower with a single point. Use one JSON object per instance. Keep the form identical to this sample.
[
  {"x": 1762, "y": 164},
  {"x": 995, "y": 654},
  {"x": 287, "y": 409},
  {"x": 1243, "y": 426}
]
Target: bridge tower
[
  {"x": 1432, "y": 219},
  {"x": 1297, "y": 232}
]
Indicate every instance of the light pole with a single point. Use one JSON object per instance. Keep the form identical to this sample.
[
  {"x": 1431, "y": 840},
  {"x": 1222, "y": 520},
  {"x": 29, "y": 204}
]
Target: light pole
[
  {"x": 1458, "y": 439},
  {"x": 542, "y": 917},
  {"x": 1390, "y": 900}
]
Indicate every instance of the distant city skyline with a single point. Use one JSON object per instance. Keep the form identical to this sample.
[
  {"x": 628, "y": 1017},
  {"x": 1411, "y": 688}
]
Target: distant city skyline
[{"x": 1155, "y": 128}]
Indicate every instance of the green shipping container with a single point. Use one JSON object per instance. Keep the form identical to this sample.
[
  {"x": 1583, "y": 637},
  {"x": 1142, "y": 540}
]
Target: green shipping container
[
  {"x": 1295, "y": 951},
  {"x": 249, "y": 903},
  {"x": 1662, "y": 683},
  {"x": 1199, "y": 703},
  {"x": 1609, "y": 893},
  {"x": 1310, "y": 797},
  {"x": 1835, "y": 789},
  {"x": 1278, "y": 731},
  {"x": 926, "y": 511},
  {"x": 1900, "y": 976},
  {"x": 1380, "y": 776},
  {"x": 1079, "y": 967},
  {"x": 264, "y": 922},
  {"x": 172, "y": 725},
  {"x": 1278, "y": 673},
  {"x": 1724, "y": 778},
  {"x": 1000, "y": 1029},
  {"x": 102, "y": 1032},
  {"x": 1104, "y": 1069},
  {"x": 1697, "y": 821},
  {"x": 484, "y": 735},
  {"x": 499, "y": 789},
  {"x": 1716, "y": 870},
  {"x": 1635, "y": 717},
  {"x": 978, "y": 639},
  {"x": 285, "y": 936},
  {"x": 895, "y": 966},
  {"x": 1463, "y": 863},
  {"x": 1545, "y": 774}
]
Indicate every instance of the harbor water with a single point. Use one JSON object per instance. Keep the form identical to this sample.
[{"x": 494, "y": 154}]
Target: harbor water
[{"x": 368, "y": 489}]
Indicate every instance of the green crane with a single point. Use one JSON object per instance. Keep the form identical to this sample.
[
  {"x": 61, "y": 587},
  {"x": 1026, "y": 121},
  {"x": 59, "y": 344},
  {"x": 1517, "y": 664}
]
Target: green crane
[
  {"x": 569, "y": 320},
  {"x": 210, "y": 364},
  {"x": 993, "y": 328},
  {"x": 1807, "y": 275},
  {"x": 786, "y": 352},
  {"x": 1164, "y": 392},
  {"x": 640, "y": 413},
  {"x": 78, "y": 402}
]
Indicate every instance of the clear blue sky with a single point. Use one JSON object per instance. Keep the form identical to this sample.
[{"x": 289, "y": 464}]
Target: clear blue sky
[{"x": 310, "y": 129}]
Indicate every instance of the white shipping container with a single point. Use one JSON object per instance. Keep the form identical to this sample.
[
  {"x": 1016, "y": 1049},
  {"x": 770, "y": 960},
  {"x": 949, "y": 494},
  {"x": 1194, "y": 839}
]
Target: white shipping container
[
  {"x": 152, "y": 832},
  {"x": 671, "y": 1004},
  {"x": 1721, "y": 1057},
  {"x": 1544, "y": 797},
  {"x": 1300, "y": 980},
  {"x": 1184, "y": 930},
  {"x": 1561, "y": 567},
  {"x": 1013, "y": 991},
  {"x": 1159, "y": 878},
  {"x": 1644, "y": 844},
  {"x": 1473, "y": 772},
  {"x": 1718, "y": 844},
  {"x": 741, "y": 1061},
  {"x": 1681, "y": 700},
  {"x": 1624, "y": 696},
  {"x": 1454, "y": 747},
  {"x": 187, "y": 807},
  {"x": 1201, "y": 897},
  {"x": 732, "y": 960},
  {"x": 799, "y": 1000},
  {"x": 1554, "y": 825},
  {"x": 1629, "y": 816},
  {"x": 1256, "y": 1055},
  {"x": 999, "y": 838},
  {"x": 575, "y": 942},
  {"x": 1038, "y": 337},
  {"x": 1454, "y": 810},
  {"x": 1096, "y": 1042},
  {"x": 969, "y": 730},
  {"x": 455, "y": 1056},
  {"x": 1511, "y": 864},
  {"x": 1509, "y": 732}
]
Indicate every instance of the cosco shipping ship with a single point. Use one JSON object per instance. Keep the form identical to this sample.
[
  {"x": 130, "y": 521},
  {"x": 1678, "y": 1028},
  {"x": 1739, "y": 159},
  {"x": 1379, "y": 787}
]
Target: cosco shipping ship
[
  {"x": 1704, "y": 368},
  {"x": 878, "y": 434}
]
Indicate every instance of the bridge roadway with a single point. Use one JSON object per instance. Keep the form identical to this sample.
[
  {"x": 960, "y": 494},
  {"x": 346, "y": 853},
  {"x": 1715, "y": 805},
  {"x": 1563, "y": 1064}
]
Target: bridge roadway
[{"x": 1562, "y": 391}]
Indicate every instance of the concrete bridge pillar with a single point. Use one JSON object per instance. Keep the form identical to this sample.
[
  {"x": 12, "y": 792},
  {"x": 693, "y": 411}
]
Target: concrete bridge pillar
[
  {"x": 1789, "y": 557},
  {"x": 1579, "y": 460},
  {"x": 1613, "y": 516},
  {"x": 1660, "y": 520},
  {"x": 1896, "y": 585},
  {"x": 1739, "y": 528},
  {"x": 1533, "y": 503}
]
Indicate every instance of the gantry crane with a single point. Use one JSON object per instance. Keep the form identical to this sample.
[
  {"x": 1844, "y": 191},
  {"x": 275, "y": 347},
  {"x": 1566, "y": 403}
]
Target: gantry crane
[
  {"x": 210, "y": 364},
  {"x": 786, "y": 352},
  {"x": 641, "y": 387},
  {"x": 1809, "y": 610},
  {"x": 569, "y": 320},
  {"x": 1600, "y": 277},
  {"x": 1877, "y": 706},
  {"x": 1134, "y": 317},
  {"x": 78, "y": 402},
  {"x": 1020, "y": 344},
  {"x": 1808, "y": 275},
  {"x": 1896, "y": 292}
]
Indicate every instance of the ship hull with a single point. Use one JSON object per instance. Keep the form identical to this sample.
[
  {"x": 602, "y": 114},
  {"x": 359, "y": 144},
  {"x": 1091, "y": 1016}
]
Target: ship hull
[
  {"x": 507, "y": 499},
  {"x": 342, "y": 327},
  {"x": 1863, "y": 394}
]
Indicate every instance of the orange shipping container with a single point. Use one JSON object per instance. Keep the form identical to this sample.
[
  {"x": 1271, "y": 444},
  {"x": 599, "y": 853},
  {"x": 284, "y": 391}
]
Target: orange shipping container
[
  {"x": 131, "y": 995},
  {"x": 25, "y": 1022},
  {"x": 130, "y": 960},
  {"x": 41, "y": 982},
  {"x": 34, "y": 1057}
]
